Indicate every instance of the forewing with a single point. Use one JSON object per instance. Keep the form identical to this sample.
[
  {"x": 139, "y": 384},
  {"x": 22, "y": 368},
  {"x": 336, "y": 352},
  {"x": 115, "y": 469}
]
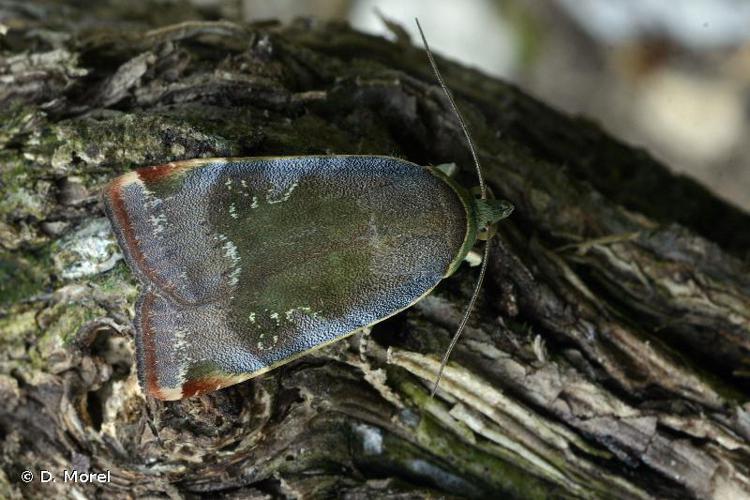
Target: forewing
[{"x": 249, "y": 263}]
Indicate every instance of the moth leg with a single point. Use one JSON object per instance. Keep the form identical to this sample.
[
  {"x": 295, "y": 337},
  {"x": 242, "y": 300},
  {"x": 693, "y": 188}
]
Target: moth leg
[
  {"x": 362, "y": 340},
  {"x": 473, "y": 258},
  {"x": 448, "y": 169}
]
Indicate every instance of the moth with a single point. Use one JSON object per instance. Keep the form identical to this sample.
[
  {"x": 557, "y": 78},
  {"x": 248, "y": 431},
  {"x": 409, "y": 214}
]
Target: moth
[{"x": 249, "y": 263}]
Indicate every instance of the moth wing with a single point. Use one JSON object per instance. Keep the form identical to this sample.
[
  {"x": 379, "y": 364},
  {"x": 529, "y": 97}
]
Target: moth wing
[
  {"x": 160, "y": 217},
  {"x": 289, "y": 254}
]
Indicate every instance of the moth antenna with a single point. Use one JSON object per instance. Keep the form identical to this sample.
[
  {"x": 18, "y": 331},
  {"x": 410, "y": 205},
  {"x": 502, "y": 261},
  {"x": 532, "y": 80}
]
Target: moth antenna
[
  {"x": 464, "y": 128},
  {"x": 483, "y": 191}
]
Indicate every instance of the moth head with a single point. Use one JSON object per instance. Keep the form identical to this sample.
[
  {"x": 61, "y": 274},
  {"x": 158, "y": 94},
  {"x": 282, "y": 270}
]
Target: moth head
[{"x": 489, "y": 212}]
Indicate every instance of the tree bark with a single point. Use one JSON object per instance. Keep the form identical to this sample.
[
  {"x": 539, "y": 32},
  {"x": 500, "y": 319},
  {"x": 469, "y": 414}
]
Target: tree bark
[{"x": 609, "y": 355}]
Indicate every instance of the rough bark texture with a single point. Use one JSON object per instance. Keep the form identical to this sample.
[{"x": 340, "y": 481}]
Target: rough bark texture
[{"x": 608, "y": 356}]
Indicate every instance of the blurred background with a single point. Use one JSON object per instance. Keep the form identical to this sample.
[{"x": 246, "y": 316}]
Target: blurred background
[{"x": 671, "y": 76}]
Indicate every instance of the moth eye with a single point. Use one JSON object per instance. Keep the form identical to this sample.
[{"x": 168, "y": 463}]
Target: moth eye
[{"x": 487, "y": 232}]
